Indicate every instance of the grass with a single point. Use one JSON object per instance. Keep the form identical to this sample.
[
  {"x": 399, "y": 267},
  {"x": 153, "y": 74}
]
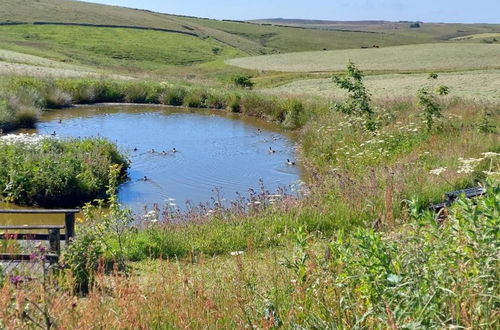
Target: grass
[
  {"x": 112, "y": 48},
  {"x": 251, "y": 39},
  {"x": 357, "y": 250},
  {"x": 421, "y": 275},
  {"x": 472, "y": 85},
  {"x": 425, "y": 57},
  {"x": 51, "y": 172}
]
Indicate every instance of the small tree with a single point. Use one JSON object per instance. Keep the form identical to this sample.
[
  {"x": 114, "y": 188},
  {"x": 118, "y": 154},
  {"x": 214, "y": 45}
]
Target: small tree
[
  {"x": 358, "y": 99},
  {"x": 428, "y": 99}
]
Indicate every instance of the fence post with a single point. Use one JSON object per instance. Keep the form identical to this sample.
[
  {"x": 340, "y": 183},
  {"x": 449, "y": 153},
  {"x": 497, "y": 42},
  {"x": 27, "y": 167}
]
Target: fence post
[
  {"x": 69, "y": 222},
  {"x": 55, "y": 240}
]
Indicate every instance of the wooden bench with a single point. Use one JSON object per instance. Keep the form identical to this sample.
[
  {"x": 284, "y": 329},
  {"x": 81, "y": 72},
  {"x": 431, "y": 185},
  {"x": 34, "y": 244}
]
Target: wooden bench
[
  {"x": 453, "y": 195},
  {"x": 53, "y": 235}
]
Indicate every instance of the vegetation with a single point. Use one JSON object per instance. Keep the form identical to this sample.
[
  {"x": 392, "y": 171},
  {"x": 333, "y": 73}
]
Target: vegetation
[
  {"x": 411, "y": 58},
  {"x": 37, "y": 94},
  {"x": 355, "y": 247},
  {"x": 480, "y": 86},
  {"x": 422, "y": 275},
  {"x": 45, "y": 171}
]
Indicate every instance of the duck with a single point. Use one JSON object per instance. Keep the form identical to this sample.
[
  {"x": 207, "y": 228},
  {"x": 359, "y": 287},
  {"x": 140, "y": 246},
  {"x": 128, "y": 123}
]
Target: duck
[
  {"x": 289, "y": 162},
  {"x": 271, "y": 151},
  {"x": 145, "y": 178},
  {"x": 53, "y": 133},
  {"x": 153, "y": 151},
  {"x": 135, "y": 149},
  {"x": 174, "y": 150}
]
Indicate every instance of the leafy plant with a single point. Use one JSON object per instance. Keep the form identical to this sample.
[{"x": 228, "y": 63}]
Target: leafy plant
[
  {"x": 428, "y": 100},
  {"x": 242, "y": 81},
  {"x": 358, "y": 99}
]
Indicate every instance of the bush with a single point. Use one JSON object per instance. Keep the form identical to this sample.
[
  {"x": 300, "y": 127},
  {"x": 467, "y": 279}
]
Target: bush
[
  {"x": 46, "y": 171},
  {"x": 242, "y": 81}
]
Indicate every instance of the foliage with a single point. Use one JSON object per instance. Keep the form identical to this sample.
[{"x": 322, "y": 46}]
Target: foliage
[
  {"x": 242, "y": 81},
  {"x": 51, "y": 172},
  {"x": 485, "y": 124},
  {"x": 104, "y": 222},
  {"x": 427, "y": 99},
  {"x": 358, "y": 99}
]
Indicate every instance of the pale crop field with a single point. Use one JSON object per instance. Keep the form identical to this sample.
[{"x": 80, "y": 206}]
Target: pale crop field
[
  {"x": 479, "y": 85},
  {"x": 411, "y": 58}
]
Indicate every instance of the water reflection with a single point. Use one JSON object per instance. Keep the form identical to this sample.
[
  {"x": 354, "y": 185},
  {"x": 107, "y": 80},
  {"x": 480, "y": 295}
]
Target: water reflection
[{"x": 179, "y": 155}]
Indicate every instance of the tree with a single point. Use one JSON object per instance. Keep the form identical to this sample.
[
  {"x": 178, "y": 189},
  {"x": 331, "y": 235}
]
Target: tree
[{"x": 358, "y": 99}]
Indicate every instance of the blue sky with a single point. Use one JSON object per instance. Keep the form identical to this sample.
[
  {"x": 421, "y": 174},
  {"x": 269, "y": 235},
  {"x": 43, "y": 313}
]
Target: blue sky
[{"x": 466, "y": 11}]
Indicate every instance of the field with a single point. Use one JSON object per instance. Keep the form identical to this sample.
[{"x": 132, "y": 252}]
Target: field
[
  {"x": 357, "y": 247},
  {"x": 475, "y": 85},
  {"x": 411, "y": 58}
]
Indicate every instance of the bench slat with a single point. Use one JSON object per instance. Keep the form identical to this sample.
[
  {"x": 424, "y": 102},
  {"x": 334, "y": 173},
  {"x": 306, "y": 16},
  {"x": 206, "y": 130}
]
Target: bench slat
[
  {"x": 31, "y": 237},
  {"x": 32, "y": 227},
  {"x": 73, "y": 211},
  {"x": 25, "y": 257}
]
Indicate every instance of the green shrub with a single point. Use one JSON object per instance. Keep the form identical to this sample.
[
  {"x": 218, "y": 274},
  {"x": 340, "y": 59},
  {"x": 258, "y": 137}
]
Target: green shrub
[
  {"x": 52, "y": 172},
  {"x": 242, "y": 81}
]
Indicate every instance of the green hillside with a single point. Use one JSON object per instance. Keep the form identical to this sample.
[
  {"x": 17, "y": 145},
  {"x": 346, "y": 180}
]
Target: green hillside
[
  {"x": 112, "y": 48},
  {"x": 247, "y": 37}
]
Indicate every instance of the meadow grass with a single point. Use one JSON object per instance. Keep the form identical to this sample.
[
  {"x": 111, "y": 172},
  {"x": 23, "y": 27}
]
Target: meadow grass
[
  {"x": 421, "y": 275},
  {"x": 473, "y": 85},
  {"x": 410, "y": 58}
]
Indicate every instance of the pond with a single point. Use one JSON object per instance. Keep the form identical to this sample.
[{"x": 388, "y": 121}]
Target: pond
[{"x": 214, "y": 151}]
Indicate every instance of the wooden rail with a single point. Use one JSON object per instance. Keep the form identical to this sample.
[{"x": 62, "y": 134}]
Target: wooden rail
[{"x": 54, "y": 236}]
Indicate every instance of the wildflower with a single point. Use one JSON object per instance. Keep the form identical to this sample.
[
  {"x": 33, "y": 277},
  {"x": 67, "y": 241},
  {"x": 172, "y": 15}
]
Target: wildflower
[
  {"x": 438, "y": 171},
  {"x": 237, "y": 253},
  {"x": 16, "y": 279},
  {"x": 490, "y": 154},
  {"x": 468, "y": 165}
]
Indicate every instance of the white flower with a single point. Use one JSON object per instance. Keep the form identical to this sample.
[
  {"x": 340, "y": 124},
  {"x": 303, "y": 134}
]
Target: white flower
[
  {"x": 237, "y": 253},
  {"x": 26, "y": 140},
  {"x": 468, "y": 165},
  {"x": 490, "y": 154},
  {"x": 438, "y": 171}
]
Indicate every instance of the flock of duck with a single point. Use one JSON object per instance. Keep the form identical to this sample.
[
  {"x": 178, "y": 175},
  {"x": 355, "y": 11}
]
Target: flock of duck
[{"x": 174, "y": 151}]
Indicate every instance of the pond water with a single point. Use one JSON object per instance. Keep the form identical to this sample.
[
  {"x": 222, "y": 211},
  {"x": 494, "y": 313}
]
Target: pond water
[{"x": 214, "y": 150}]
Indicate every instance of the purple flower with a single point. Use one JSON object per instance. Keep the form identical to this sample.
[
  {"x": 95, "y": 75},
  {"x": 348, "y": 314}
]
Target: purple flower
[{"x": 16, "y": 279}]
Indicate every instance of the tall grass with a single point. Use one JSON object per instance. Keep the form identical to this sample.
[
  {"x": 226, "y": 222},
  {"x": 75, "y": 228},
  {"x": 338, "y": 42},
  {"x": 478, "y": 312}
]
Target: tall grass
[
  {"x": 41, "y": 94},
  {"x": 46, "y": 171},
  {"x": 421, "y": 275}
]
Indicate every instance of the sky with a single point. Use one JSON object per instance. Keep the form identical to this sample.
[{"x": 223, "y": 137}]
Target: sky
[{"x": 463, "y": 11}]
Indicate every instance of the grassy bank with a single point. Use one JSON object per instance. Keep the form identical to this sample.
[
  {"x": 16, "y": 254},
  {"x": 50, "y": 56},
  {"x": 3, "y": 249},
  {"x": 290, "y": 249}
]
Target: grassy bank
[
  {"x": 45, "y": 171},
  {"x": 418, "y": 275},
  {"x": 28, "y": 96}
]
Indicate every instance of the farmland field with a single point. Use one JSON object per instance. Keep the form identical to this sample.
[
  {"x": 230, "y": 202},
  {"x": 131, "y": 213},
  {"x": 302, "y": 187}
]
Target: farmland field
[
  {"x": 478, "y": 85},
  {"x": 425, "y": 57}
]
